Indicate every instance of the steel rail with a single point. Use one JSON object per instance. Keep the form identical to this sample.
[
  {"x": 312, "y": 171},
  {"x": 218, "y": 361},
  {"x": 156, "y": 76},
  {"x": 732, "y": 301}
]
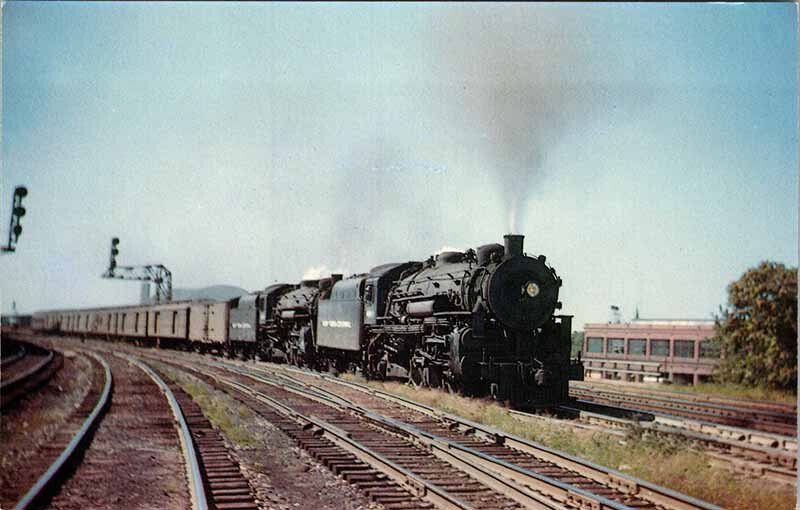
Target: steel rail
[
  {"x": 754, "y": 437},
  {"x": 485, "y": 468},
  {"x": 47, "y": 481},
  {"x": 193, "y": 473},
  {"x": 18, "y": 379},
  {"x": 680, "y": 404},
  {"x": 740, "y": 452},
  {"x": 759, "y": 405},
  {"x": 653, "y": 406},
  {"x": 415, "y": 484},
  {"x": 601, "y": 474},
  {"x": 727, "y": 434},
  {"x": 9, "y": 360}
]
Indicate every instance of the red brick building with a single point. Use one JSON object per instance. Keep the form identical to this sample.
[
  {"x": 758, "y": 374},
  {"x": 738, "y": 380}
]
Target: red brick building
[{"x": 650, "y": 350}]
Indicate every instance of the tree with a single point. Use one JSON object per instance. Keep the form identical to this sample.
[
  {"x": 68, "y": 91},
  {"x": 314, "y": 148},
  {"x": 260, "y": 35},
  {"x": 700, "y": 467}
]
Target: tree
[
  {"x": 758, "y": 329},
  {"x": 577, "y": 343}
]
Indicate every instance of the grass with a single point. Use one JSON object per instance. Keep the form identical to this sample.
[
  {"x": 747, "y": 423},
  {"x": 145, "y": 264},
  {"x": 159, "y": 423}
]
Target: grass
[
  {"x": 666, "y": 462},
  {"x": 221, "y": 410}
]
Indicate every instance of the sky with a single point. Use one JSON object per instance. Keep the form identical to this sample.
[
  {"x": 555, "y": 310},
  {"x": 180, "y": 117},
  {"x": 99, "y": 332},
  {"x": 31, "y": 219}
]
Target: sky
[{"x": 650, "y": 151}]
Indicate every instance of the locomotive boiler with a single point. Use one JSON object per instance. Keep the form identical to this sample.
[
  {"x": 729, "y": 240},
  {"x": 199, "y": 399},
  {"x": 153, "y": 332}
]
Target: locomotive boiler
[{"x": 480, "y": 322}]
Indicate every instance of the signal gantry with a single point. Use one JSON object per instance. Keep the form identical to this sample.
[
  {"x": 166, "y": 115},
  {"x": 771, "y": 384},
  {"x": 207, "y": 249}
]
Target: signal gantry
[{"x": 156, "y": 273}]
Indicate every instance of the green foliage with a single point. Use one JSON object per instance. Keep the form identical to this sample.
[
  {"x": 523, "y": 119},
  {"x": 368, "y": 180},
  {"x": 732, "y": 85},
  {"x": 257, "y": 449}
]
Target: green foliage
[
  {"x": 577, "y": 343},
  {"x": 758, "y": 329}
]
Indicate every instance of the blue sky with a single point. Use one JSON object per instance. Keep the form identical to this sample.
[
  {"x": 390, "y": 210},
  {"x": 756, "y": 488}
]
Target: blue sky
[{"x": 650, "y": 151}]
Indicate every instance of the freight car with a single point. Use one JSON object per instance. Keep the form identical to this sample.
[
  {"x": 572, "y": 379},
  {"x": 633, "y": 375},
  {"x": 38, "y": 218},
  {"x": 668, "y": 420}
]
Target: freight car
[
  {"x": 197, "y": 325},
  {"x": 480, "y": 322}
]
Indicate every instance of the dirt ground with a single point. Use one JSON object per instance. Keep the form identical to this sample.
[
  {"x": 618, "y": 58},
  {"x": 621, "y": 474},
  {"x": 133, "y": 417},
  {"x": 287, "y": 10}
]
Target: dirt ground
[
  {"x": 282, "y": 475},
  {"x": 134, "y": 459},
  {"x": 32, "y": 424}
]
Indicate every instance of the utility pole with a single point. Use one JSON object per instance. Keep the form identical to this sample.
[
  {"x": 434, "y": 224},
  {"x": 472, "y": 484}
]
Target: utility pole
[
  {"x": 17, "y": 212},
  {"x": 156, "y": 273}
]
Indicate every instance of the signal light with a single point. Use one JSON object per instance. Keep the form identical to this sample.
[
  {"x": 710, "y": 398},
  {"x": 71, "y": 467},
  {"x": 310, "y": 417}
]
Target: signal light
[
  {"x": 17, "y": 212},
  {"x": 112, "y": 263}
]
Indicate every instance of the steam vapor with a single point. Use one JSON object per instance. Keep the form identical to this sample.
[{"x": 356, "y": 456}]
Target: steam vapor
[
  {"x": 519, "y": 82},
  {"x": 317, "y": 272}
]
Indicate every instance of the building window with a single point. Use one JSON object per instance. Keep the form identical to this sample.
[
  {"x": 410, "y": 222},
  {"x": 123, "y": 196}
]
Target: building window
[
  {"x": 659, "y": 347},
  {"x": 594, "y": 345},
  {"x": 616, "y": 346},
  {"x": 709, "y": 349},
  {"x": 636, "y": 346},
  {"x": 684, "y": 349},
  {"x": 174, "y": 320},
  {"x": 136, "y": 323}
]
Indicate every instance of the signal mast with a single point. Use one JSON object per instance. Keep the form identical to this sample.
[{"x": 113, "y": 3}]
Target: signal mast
[
  {"x": 156, "y": 273},
  {"x": 17, "y": 212}
]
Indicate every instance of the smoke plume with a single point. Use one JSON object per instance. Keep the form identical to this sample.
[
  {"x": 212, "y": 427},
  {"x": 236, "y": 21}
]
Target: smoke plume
[{"x": 523, "y": 85}]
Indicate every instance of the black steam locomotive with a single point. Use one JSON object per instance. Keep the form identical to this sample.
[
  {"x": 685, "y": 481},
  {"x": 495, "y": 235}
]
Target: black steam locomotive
[{"x": 480, "y": 323}]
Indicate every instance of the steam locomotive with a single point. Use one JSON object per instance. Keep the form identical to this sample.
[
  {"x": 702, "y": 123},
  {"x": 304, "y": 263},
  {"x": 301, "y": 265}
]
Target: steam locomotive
[{"x": 480, "y": 322}]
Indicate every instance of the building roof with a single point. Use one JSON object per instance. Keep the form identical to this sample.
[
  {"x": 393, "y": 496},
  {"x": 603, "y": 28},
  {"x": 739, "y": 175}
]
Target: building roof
[
  {"x": 672, "y": 322},
  {"x": 655, "y": 322}
]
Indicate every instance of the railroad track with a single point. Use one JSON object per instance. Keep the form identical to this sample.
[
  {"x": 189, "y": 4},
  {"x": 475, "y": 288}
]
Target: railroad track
[
  {"x": 477, "y": 466},
  {"x": 758, "y": 454},
  {"x": 742, "y": 414},
  {"x": 24, "y": 370},
  {"x": 755, "y": 405},
  {"x": 70, "y": 446},
  {"x": 12, "y": 351},
  {"x": 215, "y": 476}
]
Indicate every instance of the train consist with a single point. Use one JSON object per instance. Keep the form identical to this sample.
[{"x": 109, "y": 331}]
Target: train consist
[{"x": 480, "y": 322}]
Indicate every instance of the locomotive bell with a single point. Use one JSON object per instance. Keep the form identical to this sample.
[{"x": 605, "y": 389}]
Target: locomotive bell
[{"x": 513, "y": 245}]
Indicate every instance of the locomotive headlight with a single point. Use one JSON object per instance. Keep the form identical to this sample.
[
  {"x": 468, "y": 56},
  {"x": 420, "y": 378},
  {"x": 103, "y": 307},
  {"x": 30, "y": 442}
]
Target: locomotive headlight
[{"x": 532, "y": 289}]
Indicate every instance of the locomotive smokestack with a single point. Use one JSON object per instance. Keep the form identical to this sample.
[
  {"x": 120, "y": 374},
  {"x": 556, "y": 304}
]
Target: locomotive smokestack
[{"x": 513, "y": 245}]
